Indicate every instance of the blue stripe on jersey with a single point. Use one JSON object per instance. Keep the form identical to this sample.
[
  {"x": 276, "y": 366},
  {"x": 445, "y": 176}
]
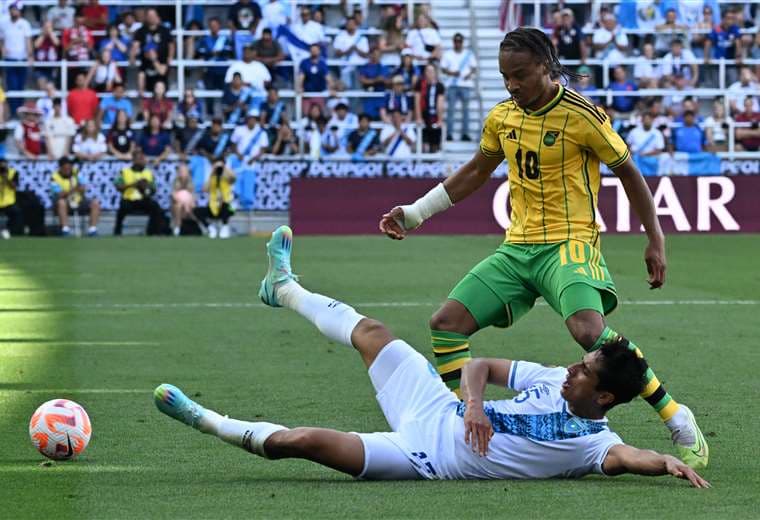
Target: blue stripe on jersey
[
  {"x": 557, "y": 426},
  {"x": 512, "y": 375}
]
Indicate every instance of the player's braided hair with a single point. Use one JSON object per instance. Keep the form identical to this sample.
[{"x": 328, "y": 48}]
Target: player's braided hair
[{"x": 536, "y": 42}]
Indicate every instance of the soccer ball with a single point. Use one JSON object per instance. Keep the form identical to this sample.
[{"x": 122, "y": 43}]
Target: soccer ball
[{"x": 60, "y": 429}]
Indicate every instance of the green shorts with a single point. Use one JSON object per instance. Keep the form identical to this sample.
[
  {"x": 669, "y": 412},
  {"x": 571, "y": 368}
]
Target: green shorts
[{"x": 504, "y": 286}]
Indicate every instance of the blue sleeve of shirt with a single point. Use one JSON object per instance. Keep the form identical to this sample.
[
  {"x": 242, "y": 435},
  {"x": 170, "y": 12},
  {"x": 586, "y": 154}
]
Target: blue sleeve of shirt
[
  {"x": 304, "y": 66},
  {"x": 323, "y": 68}
]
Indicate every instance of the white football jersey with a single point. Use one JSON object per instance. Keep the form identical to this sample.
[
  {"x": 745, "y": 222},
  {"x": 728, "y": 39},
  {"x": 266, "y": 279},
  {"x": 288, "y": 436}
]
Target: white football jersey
[{"x": 535, "y": 435}]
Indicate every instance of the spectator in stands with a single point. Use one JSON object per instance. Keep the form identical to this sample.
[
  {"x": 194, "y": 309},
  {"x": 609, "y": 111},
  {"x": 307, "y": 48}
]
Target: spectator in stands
[
  {"x": 152, "y": 36},
  {"x": 314, "y": 77},
  {"x": 749, "y": 138},
  {"x": 245, "y": 37},
  {"x": 373, "y": 77},
  {"x": 8, "y": 203},
  {"x": 188, "y": 104},
  {"x": 77, "y": 45},
  {"x": 121, "y": 138},
  {"x": 235, "y": 100},
  {"x": 645, "y": 70},
  {"x": 243, "y": 14},
  {"x": 352, "y": 48},
  {"x": 183, "y": 198},
  {"x": 214, "y": 47},
  {"x": 272, "y": 112},
  {"x": 392, "y": 41},
  {"x": 274, "y": 14},
  {"x": 424, "y": 40},
  {"x": 688, "y": 138},
  {"x": 130, "y": 24},
  {"x": 3, "y": 107},
  {"x": 429, "y": 95},
  {"x": 586, "y": 84},
  {"x": 363, "y": 142},
  {"x": 61, "y": 15},
  {"x": 155, "y": 142},
  {"x": 214, "y": 140},
  {"x": 620, "y": 83},
  {"x": 716, "y": 127},
  {"x": 158, "y": 105},
  {"x": 253, "y": 73},
  {"x": 610, "y": 40},
  {"x": 689, "y": 104},
  {"x": 701, "y": 29},
  {"x": 673, "y": 102},
  {"x": 115, "y": 42},
  {"x": 332, "y": 147},
  {"x": 268, "y": 51},
  {"x": 408, "y": 70},
  {"x": 740, "y": 90},
  {"x": 189, "y": 136},
  {"x": 568, "y": 38},
  {"x": 47, "y": 47},
  {"x": 648, "y": 15},
  {"x": 681, "y": 61},
  {"x": 285, "y": 142},
  {"x": 111, "y": 104},
  {"x": 307, "y": 32},
  {"x": 45, "y": 103},
  {"x": 29, "y": 137},
  {"x": 645, "y": 139},
  {"x": 398, "y": 138},
  {"x": 137, "y": 186},
  {"x": 397, "y": 99},
  {"x": 219, "y": 187},
  {"x": 69, "y": 198},
  {"x": 725, "y": 39},
  {"x": 745, "y": 24},
  {"x": 459, "y": 67},
  {"x": 16, "y": 33},
  {"x": 152, "y": 70},
  {"x": 104, "y": 73},
  {"x": 250, "y": 140},
  {"x": 668, "y": 31},
  {"x": 90, "y": 144},
  {"x": 310, "y": 121},
  {"x": 59, "y": 131},
  {"x": 343, "y": 122},
  {"x": 95, "y": 15}
]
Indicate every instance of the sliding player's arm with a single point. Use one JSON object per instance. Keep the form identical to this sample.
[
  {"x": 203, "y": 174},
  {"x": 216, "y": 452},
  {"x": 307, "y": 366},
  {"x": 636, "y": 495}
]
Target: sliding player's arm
[
  {"x": 467, "y": 179},
  {"x": 627, "y": 459},
  {"x": 475, "y": 375},
  {"x": 641, "y": 199}
]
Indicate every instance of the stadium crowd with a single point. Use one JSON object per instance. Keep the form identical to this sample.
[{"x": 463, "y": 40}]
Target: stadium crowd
[{"x": 114, "y": 82}]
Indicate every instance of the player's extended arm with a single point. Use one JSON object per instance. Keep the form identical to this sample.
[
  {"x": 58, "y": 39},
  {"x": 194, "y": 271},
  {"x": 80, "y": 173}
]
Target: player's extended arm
[
  {"x": 641, "y": 200},
  {"x": 627, "y": 459},
  {"x": 471, "y": 176},
  {"x": 475, "y": 375}
]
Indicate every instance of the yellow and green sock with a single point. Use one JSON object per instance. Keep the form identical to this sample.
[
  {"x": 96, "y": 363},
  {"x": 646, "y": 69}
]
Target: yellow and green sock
[
  {"x": 654, "y": 393},
  {"x": 452, "y": 352}
]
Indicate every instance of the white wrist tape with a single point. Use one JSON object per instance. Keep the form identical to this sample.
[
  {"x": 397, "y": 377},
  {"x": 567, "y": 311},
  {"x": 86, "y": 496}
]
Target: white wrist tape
[{"x": 434, "y": 201}]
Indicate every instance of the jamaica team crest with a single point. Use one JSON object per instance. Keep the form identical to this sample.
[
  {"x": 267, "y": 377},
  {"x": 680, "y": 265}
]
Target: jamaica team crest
[{"x": 551, "y": 137}]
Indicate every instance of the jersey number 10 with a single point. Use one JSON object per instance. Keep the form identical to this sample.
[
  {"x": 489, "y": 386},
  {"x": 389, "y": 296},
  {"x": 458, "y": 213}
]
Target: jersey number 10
[{"x": 531, "y": 164}]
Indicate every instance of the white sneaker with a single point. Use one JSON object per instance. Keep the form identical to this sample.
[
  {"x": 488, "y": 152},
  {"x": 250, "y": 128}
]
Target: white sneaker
[
  {"x": 175, "y": 231},
  {"x": 225, "y": 232},
  {"x": 212, "y": 232},
  {"x": 5, "y": 234}
]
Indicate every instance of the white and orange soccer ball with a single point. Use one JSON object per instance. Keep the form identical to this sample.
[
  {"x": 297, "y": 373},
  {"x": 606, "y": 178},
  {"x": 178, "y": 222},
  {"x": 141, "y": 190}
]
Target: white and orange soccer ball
[{"x": 60, "y": 429}]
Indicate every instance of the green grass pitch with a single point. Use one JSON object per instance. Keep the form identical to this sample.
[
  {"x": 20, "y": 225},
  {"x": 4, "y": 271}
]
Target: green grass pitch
[{"x": 104, "y": 321}]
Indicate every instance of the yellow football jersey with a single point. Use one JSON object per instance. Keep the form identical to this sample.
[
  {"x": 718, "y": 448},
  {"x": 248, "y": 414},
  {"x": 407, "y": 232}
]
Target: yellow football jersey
[{"x": 553, "y": 156}]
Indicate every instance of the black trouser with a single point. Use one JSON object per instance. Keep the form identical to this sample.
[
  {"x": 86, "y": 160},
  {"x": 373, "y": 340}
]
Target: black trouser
[
  {"x": 204, "y": 214},
  {"x": 15, "y": 218},
  {"x": 156, "y": 217}
]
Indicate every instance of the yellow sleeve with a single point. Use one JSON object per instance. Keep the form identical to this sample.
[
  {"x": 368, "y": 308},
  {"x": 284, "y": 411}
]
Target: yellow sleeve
[
  {"x": 490, "y": 145},
  {"x": 603, "y": 140},
  {"x": 2, "y": 95}
]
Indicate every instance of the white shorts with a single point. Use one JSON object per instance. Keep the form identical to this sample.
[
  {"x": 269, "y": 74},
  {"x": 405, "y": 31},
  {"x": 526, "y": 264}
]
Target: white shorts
[{"x": 415, "y": 403}]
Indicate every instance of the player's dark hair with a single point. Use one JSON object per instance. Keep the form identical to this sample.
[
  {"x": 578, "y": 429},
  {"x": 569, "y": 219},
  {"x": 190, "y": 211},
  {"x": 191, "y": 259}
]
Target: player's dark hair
[
  {"x": 536, "y": 42},
  {"x": 621, "y": 372}
]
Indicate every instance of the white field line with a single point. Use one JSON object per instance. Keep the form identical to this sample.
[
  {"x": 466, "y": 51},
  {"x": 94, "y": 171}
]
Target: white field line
[
  {"x": 64, "y": 391},
  {"x": 250, "y": 305},
  {"x": 42, "y": 341}
]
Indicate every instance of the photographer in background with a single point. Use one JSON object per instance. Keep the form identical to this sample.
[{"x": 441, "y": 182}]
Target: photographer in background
[
  {"x": 68, "y": 197},
  {"x": 8, "y": 204},
  {"x": 219, "y": 188},
  {"x": 137, "y": 187}
]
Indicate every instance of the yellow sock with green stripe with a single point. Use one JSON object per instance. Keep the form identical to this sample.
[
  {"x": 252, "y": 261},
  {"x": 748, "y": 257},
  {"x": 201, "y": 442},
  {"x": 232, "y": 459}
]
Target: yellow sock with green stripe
[
  {"x": 654, "y": 393},
  {"x": 452, "y": 352}
]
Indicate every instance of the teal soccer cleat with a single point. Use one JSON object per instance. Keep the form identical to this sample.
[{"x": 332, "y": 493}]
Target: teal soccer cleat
[
  {"x": 171, "y": 401},
  {"x": 278, "y": 251}
]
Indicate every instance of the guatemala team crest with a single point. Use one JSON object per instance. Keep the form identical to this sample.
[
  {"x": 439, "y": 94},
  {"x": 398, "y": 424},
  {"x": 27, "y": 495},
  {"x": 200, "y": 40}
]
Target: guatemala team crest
[
  {"x": 551, "y": 137},
  {"x": 573, "y": 426}
]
